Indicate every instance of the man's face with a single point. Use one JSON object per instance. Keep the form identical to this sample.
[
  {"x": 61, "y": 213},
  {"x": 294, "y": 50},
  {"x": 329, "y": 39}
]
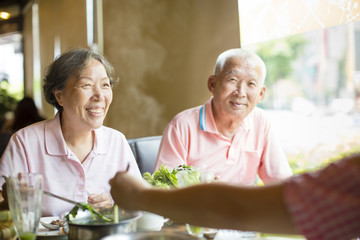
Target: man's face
[{"x": 236, "y": 89}]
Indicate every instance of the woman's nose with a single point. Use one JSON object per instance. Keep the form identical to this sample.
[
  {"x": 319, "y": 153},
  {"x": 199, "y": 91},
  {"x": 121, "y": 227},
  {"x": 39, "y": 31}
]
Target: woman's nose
[{"x": 98, "y": 93}]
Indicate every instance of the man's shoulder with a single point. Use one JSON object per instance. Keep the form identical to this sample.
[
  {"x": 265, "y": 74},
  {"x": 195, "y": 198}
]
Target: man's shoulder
[
  {"x": 259, "y": 111},
  {"x": 188, "y": 115},
  {"x": 259, "y": 114}
]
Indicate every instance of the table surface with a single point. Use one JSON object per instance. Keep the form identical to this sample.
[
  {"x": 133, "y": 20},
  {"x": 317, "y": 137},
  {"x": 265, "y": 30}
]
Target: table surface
[
  {"x": 172, "y": 227},
  {"x": 234, "y": 234},
  {"x": 227, "y": 234}
]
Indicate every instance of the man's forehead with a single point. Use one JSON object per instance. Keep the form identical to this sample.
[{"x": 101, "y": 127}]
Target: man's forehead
[
  {"x": 242, "y": 70},
  {"x": 238, "y": 65}
]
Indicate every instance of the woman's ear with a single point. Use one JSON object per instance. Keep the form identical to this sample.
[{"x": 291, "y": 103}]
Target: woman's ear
[{"x": 58, "y": 96}]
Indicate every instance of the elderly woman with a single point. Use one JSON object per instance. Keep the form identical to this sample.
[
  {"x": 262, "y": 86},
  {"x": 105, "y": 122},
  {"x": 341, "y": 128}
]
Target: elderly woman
[{"x": 74, "y": 152}]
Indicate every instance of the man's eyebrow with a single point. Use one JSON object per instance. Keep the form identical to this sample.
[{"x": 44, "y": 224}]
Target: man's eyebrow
[{"x": 231, "y": 72}]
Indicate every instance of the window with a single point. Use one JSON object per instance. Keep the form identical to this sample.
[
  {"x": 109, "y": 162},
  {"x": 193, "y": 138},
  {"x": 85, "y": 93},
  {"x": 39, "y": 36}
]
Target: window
[
  {"x": 313, "y": 93},
  {"x": 312, "y": 53}
]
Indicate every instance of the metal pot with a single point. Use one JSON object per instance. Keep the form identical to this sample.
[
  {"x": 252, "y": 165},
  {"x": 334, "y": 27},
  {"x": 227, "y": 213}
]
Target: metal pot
[{"x": 82, "y": 227}]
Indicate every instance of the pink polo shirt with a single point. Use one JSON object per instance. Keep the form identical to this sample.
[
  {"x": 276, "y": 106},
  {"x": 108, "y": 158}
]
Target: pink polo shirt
[
  {"x": 325, "y": 205},
  {"x": 192, "y": 138},
  {"x": 40, "y": 148}
]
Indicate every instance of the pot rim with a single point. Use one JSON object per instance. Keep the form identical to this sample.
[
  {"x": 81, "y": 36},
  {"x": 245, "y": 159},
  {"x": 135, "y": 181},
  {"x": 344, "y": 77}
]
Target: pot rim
[{"x": 131, "y": 216}]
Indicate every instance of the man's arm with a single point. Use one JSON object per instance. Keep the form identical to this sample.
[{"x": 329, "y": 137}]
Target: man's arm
[
  {"x": 275, "y": 166},
  {"x": 211, "y": 205}
]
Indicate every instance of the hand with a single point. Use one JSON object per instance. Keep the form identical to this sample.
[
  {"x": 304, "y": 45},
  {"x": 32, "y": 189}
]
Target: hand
[
  {"x": 100, "y": 200},
  {"x": 3, "y": 198},
  {"x": 125, "y": 190}
]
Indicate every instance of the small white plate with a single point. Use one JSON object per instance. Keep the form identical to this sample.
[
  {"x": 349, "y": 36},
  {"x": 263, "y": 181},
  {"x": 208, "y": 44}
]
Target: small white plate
[{"x": 43, "y": 232}]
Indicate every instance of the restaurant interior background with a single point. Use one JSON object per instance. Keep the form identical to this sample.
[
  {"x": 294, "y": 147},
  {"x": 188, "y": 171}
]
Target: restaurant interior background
[{"x": 164, "y": 50}]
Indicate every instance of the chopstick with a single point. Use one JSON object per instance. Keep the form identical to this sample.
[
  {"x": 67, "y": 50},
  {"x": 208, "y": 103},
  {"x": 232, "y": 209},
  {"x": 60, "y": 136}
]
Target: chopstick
[{"x": 58, "y": 197}]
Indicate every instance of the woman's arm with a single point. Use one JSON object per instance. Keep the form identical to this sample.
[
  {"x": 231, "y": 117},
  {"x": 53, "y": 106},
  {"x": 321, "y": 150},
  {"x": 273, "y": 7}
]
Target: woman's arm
[{"x": 213, "y": 205}]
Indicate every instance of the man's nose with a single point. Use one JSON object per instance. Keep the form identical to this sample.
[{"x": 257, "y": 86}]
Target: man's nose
[{"x": 240, "y": 89}]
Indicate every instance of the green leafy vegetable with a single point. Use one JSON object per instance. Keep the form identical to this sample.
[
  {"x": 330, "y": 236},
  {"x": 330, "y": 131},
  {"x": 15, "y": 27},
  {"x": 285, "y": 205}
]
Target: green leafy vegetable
[
  {"x": 86, "y": 206},
  {"x": 165, "y": 178}
]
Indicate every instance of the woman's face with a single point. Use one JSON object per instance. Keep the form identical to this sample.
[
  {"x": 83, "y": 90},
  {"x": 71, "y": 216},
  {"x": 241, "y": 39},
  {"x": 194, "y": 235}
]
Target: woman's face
[{"x": 86, "y": 98}]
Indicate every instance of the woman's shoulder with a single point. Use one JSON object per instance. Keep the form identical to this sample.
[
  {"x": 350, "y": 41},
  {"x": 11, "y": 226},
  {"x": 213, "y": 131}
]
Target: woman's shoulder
[
  {"x": 109, "y": 132},
  {"x": 37, "y": 127}
]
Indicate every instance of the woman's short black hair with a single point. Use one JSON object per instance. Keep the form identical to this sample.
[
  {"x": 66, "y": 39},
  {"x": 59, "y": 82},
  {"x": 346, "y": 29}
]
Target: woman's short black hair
[{"x": 69, "y": 65}]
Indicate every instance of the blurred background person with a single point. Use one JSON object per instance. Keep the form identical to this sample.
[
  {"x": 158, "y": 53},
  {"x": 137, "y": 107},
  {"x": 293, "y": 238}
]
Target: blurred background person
[{"x": 26, "y": 113}]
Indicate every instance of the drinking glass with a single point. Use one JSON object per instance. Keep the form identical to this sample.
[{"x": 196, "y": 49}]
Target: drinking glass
[
  {"x": 25, "y": 199},
  {"x": 184, "y": 181}
]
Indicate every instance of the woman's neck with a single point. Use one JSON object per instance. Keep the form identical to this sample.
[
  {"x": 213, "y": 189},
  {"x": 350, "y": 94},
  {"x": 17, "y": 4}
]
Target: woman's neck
[{"x": 80, "y": 141}]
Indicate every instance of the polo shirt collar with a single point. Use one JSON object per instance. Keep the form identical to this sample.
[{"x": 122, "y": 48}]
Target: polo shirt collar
[
  {"x": 55, "y": 143},
  {"x": 207, "y": 121}
]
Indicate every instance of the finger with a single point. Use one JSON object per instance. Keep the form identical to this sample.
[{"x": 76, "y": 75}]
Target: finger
[
  {"x": 96, "y": 198},
  {"x": 102, "y": 204}
]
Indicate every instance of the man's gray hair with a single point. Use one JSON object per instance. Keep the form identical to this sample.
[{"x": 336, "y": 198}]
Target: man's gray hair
[{"x": 242, "y": 54}]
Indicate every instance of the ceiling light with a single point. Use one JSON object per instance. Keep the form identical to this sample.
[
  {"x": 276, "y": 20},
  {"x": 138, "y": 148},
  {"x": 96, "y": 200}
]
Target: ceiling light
[{"x": 4, "y": 15}]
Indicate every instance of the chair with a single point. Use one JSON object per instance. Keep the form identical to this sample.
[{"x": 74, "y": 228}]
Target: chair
[{"x": 145, "y": 150}]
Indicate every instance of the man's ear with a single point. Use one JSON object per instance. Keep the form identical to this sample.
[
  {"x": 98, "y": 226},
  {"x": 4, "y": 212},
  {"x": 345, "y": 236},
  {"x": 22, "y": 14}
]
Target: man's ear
[
  {"x": 211, "y": 83},
  {"x": 58, "y": 96},
  {"x": 262, "y": 94}
]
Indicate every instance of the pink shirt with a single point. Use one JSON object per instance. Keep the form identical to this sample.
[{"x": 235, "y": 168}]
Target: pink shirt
[
  {"x": 192, "y": 138},
  {"x": 40, "y": 148},
  {"x": 325, "y": 205}
]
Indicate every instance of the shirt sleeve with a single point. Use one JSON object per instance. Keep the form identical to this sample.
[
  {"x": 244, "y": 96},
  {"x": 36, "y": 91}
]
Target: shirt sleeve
[
  {"x": 172, "y": 151},
  {"x": 325, "y": 205},
  {"x": 274, "y": 165}
]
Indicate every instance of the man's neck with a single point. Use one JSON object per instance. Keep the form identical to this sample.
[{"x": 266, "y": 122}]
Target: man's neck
[{"x": 227, "y": 127}]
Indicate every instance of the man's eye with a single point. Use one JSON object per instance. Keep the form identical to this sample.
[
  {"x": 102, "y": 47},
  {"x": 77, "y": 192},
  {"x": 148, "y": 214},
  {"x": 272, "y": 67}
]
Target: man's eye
[{"x": 86, "y": 85}]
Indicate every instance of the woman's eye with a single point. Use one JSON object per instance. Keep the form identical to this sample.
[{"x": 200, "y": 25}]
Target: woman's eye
[{"x": 106, "y": 85}]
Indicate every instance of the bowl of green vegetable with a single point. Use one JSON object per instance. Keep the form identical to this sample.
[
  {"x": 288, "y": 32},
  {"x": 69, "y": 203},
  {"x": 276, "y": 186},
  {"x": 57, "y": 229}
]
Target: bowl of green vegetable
[{"x": 86, "y": 223}]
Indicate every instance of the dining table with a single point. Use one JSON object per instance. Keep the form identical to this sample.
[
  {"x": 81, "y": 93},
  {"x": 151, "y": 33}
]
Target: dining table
[
  {"x": 179, "y": 229},
  {"x": 170, "y": 227}
]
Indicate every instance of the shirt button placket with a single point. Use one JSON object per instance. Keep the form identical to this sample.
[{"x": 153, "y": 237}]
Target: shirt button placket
[
  {"x": 231, "y": 155},
  {"x": 81, "y": 187}
]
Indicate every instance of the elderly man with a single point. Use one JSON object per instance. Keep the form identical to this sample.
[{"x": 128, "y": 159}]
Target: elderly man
[{"x": 228, "y": 135}]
